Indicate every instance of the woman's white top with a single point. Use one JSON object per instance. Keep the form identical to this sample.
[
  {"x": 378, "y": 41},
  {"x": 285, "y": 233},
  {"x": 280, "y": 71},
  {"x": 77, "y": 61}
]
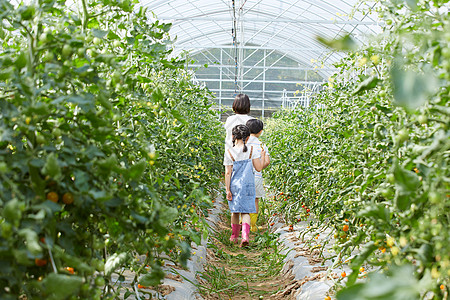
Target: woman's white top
[
  {"x": 231, "y": 122},
  {"x": 239, "y": 154}
]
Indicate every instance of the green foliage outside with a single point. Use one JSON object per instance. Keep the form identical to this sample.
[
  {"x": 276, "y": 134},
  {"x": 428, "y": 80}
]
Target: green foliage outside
[
  {"x": 105, "y": 147},
  {"x": 371, "y": 160}
]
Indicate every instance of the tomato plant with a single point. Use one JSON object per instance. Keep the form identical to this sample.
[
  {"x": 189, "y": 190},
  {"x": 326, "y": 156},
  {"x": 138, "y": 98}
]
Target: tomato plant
[
  {"x": 107, "y": 150},
  {"x": 370, "y": 158}
]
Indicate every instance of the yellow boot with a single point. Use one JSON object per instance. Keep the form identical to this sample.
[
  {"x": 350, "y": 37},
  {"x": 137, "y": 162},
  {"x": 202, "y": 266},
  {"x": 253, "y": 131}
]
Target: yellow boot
[{"x": 253, "y": 218}]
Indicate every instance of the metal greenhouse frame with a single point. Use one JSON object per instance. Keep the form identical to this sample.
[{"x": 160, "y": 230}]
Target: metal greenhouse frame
[{"x": 267, "y": 49}]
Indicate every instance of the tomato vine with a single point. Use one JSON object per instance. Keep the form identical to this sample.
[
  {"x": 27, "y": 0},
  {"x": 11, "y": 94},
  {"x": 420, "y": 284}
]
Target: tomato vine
[
  {"x": 106, "y": 147},
  {"x": 370, "y": 158}
]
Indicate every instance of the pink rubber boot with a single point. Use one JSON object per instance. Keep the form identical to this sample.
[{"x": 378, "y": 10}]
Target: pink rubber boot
[
  {"x": 245, "y": 234},
  {"x": 235, "y": 228}
]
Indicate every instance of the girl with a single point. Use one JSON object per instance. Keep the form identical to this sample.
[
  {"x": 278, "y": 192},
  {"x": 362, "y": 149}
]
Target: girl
[{"x": 240, "y": 181}]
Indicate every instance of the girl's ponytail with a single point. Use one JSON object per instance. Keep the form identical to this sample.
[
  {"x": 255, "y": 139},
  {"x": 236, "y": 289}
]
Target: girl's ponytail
[{"x": 240, "y": 132}]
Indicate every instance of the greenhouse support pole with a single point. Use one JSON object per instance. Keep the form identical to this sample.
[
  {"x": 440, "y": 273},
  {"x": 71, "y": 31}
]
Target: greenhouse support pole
[
  {"x": 220, "y": 84},
  {"x": 264, "y": 83}
]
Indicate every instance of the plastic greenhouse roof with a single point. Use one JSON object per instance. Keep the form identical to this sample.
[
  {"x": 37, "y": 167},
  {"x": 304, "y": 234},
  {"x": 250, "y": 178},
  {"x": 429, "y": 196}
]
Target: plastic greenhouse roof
[{"x": 290, "y": 27}]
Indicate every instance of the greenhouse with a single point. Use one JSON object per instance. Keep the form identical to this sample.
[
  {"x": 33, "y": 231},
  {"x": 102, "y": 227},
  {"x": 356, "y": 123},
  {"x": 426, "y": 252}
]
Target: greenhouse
[
  {"x": 226, "y": 149},
  {"x": 269, "y": 49}
]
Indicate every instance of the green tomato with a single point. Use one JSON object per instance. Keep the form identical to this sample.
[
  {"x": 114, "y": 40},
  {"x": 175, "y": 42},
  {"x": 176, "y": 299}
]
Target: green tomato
[
  {"x": 3, "y": 167},
  {"x": 66, "y": 50},
  {"x": 80, "y": 52},
  {"x": 43, "y": 38},
  {"x": 97, "y": 41},
  {"x": 91, "y": 52},
  {"x": 446, "y": 52},
  {"x": 390, "y": 178},
  {"x": 117, "y": 44},
  {"x": 422, "y": 119},
  {"x": 382, "y": 94},
  {"x": 389, "y": 22},
  {"x": 40, "y": 139},
  {"x": 98, "y": 244},
  {"x": 386, "y": 192},
  {"x": 100, "y": 281},
  {"x": 403, "y": 135},
  {"x": 48, "y": 56},
  {"x": 57, "y": 132},
  {"x": 434, "y": 197},
  {"x": 116, "y": 75},
  {"x": 6, "y": 230},
  {"x": 99, "y": 265}
]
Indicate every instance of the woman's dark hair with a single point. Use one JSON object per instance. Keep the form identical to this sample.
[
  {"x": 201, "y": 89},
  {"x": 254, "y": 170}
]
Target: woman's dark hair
[
  {"x": 241, "y": 104},
  {"x": 255, "y": 125},
  {"x": 240, "y": 132}
]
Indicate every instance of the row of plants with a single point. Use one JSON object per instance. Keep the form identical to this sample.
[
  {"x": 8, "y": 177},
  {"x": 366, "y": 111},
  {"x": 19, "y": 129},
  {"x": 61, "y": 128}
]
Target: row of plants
[
  {"x": 370, "y": 157},
  {"x": 108, "y": 152}
]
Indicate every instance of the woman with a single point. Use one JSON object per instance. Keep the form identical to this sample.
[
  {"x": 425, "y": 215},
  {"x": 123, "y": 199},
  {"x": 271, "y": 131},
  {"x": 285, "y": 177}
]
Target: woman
[{"x": 241, "y": 108}]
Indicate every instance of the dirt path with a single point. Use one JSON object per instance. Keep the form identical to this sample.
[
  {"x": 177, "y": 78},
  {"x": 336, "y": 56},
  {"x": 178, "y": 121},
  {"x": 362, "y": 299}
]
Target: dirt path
[{"x": 254, "y": 272}]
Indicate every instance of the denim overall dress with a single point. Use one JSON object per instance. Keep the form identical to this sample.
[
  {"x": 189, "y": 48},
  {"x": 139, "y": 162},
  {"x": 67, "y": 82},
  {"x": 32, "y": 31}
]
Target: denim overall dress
[{"x": 242, "y": 186}]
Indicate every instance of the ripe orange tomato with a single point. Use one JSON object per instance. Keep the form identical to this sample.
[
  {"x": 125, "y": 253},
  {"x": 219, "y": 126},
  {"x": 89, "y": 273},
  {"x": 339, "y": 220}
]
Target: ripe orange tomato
[
  {"x": 40, "y": 262},
  {"x": 327, "y": 298},
  {"x": 345, "y": 228},
  {"x": 67, "y": 198},
  {"x": 70, "y": 270},
  {"x": 343, "y": 274},
  {"x": 52, "y": 196}
]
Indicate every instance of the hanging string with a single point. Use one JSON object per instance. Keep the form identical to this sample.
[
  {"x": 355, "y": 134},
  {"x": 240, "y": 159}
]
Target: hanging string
[{"x": 234, "y": 35}]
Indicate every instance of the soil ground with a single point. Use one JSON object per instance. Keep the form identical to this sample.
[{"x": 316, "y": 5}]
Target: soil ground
[{"x": 253, "y": 272}]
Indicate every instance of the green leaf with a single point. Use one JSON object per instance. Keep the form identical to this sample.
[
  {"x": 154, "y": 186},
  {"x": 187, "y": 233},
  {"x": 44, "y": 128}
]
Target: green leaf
[
  {"x": 351, "y": 293},
  {"x": 99, "y": 33},
  {"x": 37, "y": 182},
  {"x": 412, "y": 4},
  {"x": 400, "y": 284},
  {"x": 345, "y": 43},
  {"x": 367, "y": 84},
  {"x": 31, "y": 239},
  {"x": 154, "y": 277},
  {"x": 359, "y": 260},
  {"x": 51, "y": 167},
  {"x": 178, "y": 116},
  {"x": 157, "y": 95},
  {"x": 61, "y": 286},
  {"x": 411, "y": 87},
  {"x": 406, "y": 180},
  {"x": 21, "y": 60},
  {"x": 113, "y": 36},
  {"x": 114, "y": 262},
  {"x": 12, "y": 212},
  {"x": 6, "y": 73},
  {"x": 137, "y": 169}
]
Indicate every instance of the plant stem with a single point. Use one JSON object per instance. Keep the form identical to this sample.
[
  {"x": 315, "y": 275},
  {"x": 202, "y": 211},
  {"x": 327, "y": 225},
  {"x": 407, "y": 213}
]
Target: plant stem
[{"x": 85, "y": 15}]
